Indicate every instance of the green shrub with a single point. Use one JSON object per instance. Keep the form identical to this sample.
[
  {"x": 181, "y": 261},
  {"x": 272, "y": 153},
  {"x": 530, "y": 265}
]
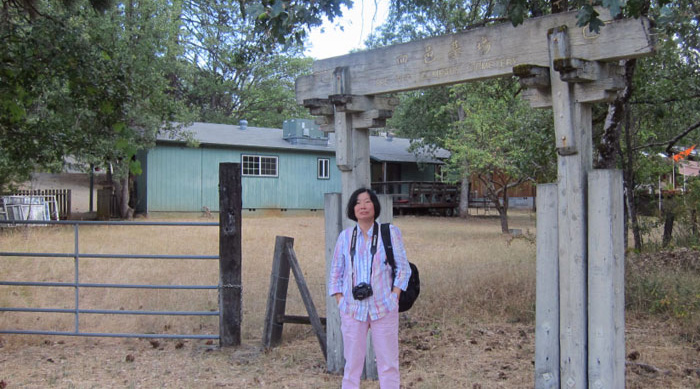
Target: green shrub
[{"x": 665, "y": 284}]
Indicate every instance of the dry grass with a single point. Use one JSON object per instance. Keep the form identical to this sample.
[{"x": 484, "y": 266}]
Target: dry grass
[{"x": 473, "y": 325}]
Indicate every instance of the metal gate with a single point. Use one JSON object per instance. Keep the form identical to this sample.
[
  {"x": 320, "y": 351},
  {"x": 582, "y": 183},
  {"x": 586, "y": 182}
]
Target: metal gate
[{"x": 76, "y": 310}]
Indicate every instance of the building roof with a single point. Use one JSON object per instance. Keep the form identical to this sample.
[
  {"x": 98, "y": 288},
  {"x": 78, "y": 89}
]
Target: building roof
[{"x": 382, "y": 149}]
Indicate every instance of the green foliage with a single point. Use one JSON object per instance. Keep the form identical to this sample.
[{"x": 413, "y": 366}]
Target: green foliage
[
  {"x": 91, "y": 85},
  {"x": 664, "y": 284},
  {"x": 98, "y": 81},
  {"x": 499, "y": 132},
  {"x": 285, "y": 21},
  {"x": 236, "y": 71}
]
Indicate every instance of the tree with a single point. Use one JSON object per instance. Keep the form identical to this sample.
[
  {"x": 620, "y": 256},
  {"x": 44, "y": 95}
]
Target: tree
[
  {"x": 661, "y": 117},
  {"x": 286, "y": 21},
  {"x": 92, "y": 85},
  {"x": 505, "y": 142},
  {"x": 100, "y": 83},
  {"x": 235, "y": 70},
  {"x": 676, "y": 20}
]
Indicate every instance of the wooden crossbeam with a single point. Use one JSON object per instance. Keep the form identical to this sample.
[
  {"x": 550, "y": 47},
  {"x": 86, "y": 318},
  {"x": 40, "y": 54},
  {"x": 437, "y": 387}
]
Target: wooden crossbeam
[{"x": 471, "y": 55}]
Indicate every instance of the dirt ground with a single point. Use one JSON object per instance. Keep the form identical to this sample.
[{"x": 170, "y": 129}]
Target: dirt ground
[
  {"x": 475, "y": 355},
  {"x": 437, "y": 350}
]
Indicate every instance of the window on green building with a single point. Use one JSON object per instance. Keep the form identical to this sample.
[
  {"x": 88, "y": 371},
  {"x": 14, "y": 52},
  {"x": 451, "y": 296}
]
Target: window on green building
[
  {"x": 324, "y": 171},
  {"x": 258, "y": 165}
]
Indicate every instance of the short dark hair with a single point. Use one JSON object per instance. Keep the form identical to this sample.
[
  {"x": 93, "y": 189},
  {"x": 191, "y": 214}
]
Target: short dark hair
[{"x": 353, "y": 200}]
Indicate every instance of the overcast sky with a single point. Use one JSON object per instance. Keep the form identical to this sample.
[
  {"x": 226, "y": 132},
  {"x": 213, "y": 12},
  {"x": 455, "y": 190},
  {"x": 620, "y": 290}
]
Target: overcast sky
[{"x": 357, "y": 23}]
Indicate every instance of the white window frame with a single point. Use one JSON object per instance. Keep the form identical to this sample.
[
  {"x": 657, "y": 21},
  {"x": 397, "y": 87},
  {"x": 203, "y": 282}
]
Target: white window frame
[
  {"x": 323, "y": 169},
  {"x": 252, "y": 165}
]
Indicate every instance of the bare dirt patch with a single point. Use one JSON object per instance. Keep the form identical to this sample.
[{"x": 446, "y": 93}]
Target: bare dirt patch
[{"x": 475, "y": 355}]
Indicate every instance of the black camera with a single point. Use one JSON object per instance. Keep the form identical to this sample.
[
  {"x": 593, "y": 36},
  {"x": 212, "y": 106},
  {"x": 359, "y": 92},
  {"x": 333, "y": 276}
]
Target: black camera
[{"x": 361, "y": 291}]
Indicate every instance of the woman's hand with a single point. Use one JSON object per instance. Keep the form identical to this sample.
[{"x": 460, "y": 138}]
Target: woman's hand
[
  {"x": 397, "y": 291},
  {"x": 338, "y": 296}
]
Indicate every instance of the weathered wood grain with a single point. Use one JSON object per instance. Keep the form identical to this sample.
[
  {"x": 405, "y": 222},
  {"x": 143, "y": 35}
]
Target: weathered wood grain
[{"x": 472, "y": 55}]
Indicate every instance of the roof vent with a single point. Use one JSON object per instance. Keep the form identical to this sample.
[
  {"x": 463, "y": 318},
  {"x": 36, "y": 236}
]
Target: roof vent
[{"x": 243, "y": 125}]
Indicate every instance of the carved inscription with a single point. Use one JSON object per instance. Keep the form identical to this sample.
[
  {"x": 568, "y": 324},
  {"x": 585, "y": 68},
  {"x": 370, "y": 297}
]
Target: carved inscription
[
  {"x": 496, "y": 63},
  {"x": 439, "y": 73},
  {"x": 483, "y": 46},
  {"x": 588, "y": 34},
  {"x": 475, "y": 66},
  {"x": 482, "y": 53},
  {"x": 455, "y": 50},
  {"x": 429, "y": 55}
]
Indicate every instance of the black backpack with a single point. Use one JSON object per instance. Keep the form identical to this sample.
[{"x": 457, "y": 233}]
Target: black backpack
[{"x": 409, "y": 296}]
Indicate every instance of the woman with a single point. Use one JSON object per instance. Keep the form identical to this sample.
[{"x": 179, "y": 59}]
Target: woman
[{"x": 366, "y": 292}]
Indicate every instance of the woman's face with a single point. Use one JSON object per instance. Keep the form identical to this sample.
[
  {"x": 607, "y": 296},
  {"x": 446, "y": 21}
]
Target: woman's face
[{"x": 364, "y": 209}]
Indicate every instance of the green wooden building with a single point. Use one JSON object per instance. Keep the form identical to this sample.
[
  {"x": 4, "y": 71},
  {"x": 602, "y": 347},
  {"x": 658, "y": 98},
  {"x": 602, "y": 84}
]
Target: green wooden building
[{"x": 286, "y": 169}]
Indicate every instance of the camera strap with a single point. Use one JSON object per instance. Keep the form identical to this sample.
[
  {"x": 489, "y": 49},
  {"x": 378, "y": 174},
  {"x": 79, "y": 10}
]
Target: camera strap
[{"x": 373, "y": 250}]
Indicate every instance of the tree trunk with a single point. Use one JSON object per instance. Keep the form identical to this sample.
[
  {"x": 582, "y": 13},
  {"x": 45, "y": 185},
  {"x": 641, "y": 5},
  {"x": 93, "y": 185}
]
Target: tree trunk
[
  {"x": 670, "y": 217},
  {"x": 503, "y": 211},
  {"x": 464, "y": 197},
  {"x": 628, "y": 162},
  {"x": 121, "y": 191},
  {"x": 633, "y": 218},
  {"x": 503, "y": 215},
  {"x": 608, "y": 148},
  {"x": 464, "y": 192}
]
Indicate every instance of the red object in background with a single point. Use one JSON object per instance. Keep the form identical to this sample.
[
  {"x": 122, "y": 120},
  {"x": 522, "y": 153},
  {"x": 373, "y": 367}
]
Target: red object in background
[{"x": 683, "y": 154}]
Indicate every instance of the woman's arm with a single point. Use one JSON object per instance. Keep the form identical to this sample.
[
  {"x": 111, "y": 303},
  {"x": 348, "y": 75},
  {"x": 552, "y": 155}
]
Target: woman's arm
[{"x": 335, "y": 279}]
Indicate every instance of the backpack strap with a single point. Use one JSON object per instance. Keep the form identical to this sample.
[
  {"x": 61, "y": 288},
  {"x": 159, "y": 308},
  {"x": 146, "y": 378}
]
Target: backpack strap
[{"x": 389, "y": 249}]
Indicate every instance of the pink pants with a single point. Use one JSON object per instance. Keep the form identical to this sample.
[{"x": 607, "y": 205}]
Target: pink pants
[{"x": 385, "y": 340}]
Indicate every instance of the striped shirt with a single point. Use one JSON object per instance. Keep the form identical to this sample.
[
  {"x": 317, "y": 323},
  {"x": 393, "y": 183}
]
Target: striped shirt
[{"x": 341, "y": 275}]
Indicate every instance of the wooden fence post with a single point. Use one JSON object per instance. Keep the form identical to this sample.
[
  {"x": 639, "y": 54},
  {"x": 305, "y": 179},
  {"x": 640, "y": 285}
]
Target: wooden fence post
[
  {"x": 547, "y": 290},
  {"x": 230, "y": 293},
  {"x": 334, "y": 339},
  {"x": 277, "y": 297},
  {"x": 606, "y": 280}
]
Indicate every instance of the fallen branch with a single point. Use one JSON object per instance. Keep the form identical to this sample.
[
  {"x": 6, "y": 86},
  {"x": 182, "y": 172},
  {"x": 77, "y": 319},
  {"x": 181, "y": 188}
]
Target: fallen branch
[{"x": 646, "y": 368}]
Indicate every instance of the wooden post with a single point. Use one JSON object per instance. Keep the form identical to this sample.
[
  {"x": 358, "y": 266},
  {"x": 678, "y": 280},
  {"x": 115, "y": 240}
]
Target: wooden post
[
  {"x": 352, "y": 144},
  {"x": 275, "y": 317},
  {"x": 606, "y": 280},
  {"x": 387, "y": 203},
  {"x": 572, "y": 123},
  {"x": 277, "y": 296},
  {"x": 334, "y": 339},
  {"x": 230, "y": 294},
  {"x": 547, "y": 290}
]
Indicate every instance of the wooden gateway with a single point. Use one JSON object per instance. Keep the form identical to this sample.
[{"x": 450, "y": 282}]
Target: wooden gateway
[{"x": 564, "y": 67}]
